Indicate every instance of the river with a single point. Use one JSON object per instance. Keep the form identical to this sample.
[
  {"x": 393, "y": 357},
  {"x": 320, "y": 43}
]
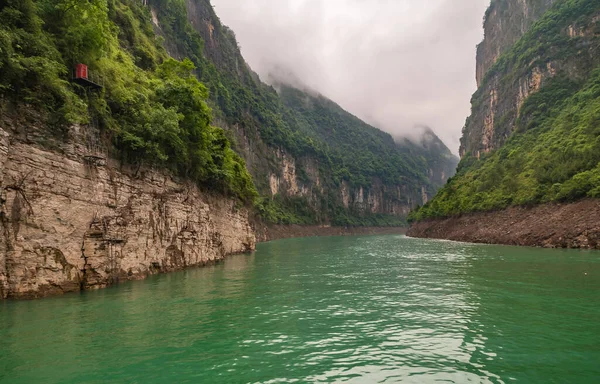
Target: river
[{"x": 364, "y": 309}]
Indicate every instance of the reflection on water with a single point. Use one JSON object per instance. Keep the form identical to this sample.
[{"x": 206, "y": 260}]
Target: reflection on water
[{"x": 348, "y": 309}]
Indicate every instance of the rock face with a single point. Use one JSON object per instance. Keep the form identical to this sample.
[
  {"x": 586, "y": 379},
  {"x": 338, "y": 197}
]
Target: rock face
[
  {"x": 71, "y": 222},
  {"x": 503, "y": 89},
  {"x": 505, "y": 22},
  {"x": 572, "y": 225}
]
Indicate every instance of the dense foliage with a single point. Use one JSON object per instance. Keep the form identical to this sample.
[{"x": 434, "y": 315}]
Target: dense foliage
[
  {"x": 554, "y": 153},
  {"x": 152, "y": 106}
]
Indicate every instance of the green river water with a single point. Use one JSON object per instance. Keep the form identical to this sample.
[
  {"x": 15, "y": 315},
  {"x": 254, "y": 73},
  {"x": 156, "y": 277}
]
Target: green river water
[{"x": 346, "y": 309}]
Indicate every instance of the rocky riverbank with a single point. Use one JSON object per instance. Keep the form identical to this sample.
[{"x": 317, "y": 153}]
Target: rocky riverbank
[{"x": 574, "y": 225}]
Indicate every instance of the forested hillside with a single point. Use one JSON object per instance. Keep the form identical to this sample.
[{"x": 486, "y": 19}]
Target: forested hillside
[
  {"x": 177, "y": 95},
  {"x": 534, "y": 133},
  {"x": 359, "y": 151}
]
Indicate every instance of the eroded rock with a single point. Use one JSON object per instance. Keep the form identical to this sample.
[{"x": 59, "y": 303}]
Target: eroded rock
[{"x": 68, "y": 225}]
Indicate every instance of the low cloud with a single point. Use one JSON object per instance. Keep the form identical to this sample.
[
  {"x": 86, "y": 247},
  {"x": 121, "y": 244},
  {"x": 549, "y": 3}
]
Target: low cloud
[{"x": 397, "y": 64}]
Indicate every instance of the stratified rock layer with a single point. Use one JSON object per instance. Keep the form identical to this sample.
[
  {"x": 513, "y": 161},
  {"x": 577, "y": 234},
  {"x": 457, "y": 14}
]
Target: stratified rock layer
[
  {"x": 503, "y": 90},
  {"x": 505, "y": 22},
  {"x": 575, "y": 225},
  {"x": 70, "y": 222}
]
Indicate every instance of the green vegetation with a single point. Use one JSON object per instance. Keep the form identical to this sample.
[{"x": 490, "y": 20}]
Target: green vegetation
[
  {"x": 554, "y": 153},
  {"x": 545, "y": 43},
  {"x": 154, "y": 110},
  {"x": 152, "y": 106},
  {"x": 358, "y": 152},
  {"x": 292, "y": 210},
  {"x": 235, "y": 95},
  {"x": 305, "y": 126},
  {"x": 546, "y": 40}
]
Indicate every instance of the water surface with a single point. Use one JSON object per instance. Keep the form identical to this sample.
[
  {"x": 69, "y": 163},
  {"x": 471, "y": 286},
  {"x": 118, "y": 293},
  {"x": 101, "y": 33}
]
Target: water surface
[{"x": 347, "y": 309}]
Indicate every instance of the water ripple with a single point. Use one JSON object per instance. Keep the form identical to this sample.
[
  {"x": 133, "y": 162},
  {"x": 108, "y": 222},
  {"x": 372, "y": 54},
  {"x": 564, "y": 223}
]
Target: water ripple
[{"x": 353, "y": 310}]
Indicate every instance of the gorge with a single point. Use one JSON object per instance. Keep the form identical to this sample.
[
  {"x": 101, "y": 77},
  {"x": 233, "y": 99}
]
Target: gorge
[
  {"x": 185, "y": 156},
  {"x": 178, "y": 217}
]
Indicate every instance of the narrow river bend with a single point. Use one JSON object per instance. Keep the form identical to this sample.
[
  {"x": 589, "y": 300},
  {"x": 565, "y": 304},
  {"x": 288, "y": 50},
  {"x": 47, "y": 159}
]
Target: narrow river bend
[{"x": 344, "y": 309}]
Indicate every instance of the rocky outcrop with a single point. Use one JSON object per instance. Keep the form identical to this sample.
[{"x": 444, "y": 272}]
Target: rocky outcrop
[
  {"x": 287, "y": 181},
  {"x": 573, "y": 225},
  {"x": 302, "y": 178},
  {"x": 71, "y": 222},
  {"x": 378, "y": 199},
  {"x": 505, "y": 22},
  {"x": 503, "y": 89}
]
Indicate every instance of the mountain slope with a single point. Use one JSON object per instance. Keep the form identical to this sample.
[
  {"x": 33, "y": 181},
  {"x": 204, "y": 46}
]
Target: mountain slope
[
  {"x": 442, "y": 163},
  {"x": 505, "y": 22},
  {"x": 312, "y": 161},
  {"x": 534, "y": 133}
]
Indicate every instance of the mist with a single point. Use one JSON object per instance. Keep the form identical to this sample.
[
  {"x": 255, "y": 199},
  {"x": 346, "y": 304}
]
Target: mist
[{"x": 397, "y": 64}]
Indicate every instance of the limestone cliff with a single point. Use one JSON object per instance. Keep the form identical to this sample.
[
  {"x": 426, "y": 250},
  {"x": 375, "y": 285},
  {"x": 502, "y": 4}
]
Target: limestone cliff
[
  {"x": 73, "y": 221},
  {"x": 509, "y": 71},
  {"x": 505, "y": 22}
]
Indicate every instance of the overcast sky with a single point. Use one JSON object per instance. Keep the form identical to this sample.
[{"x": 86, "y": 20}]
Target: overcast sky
[{"x": 396, "y": 64}]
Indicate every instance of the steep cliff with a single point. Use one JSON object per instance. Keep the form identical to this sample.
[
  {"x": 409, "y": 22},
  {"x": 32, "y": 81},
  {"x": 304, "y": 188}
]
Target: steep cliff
[
  {"x": 71, "y": 221},
  {"x": 532, "y": 137},
  {"x": 516, "y": 60},
  {"x": 504, "y": 23}
]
